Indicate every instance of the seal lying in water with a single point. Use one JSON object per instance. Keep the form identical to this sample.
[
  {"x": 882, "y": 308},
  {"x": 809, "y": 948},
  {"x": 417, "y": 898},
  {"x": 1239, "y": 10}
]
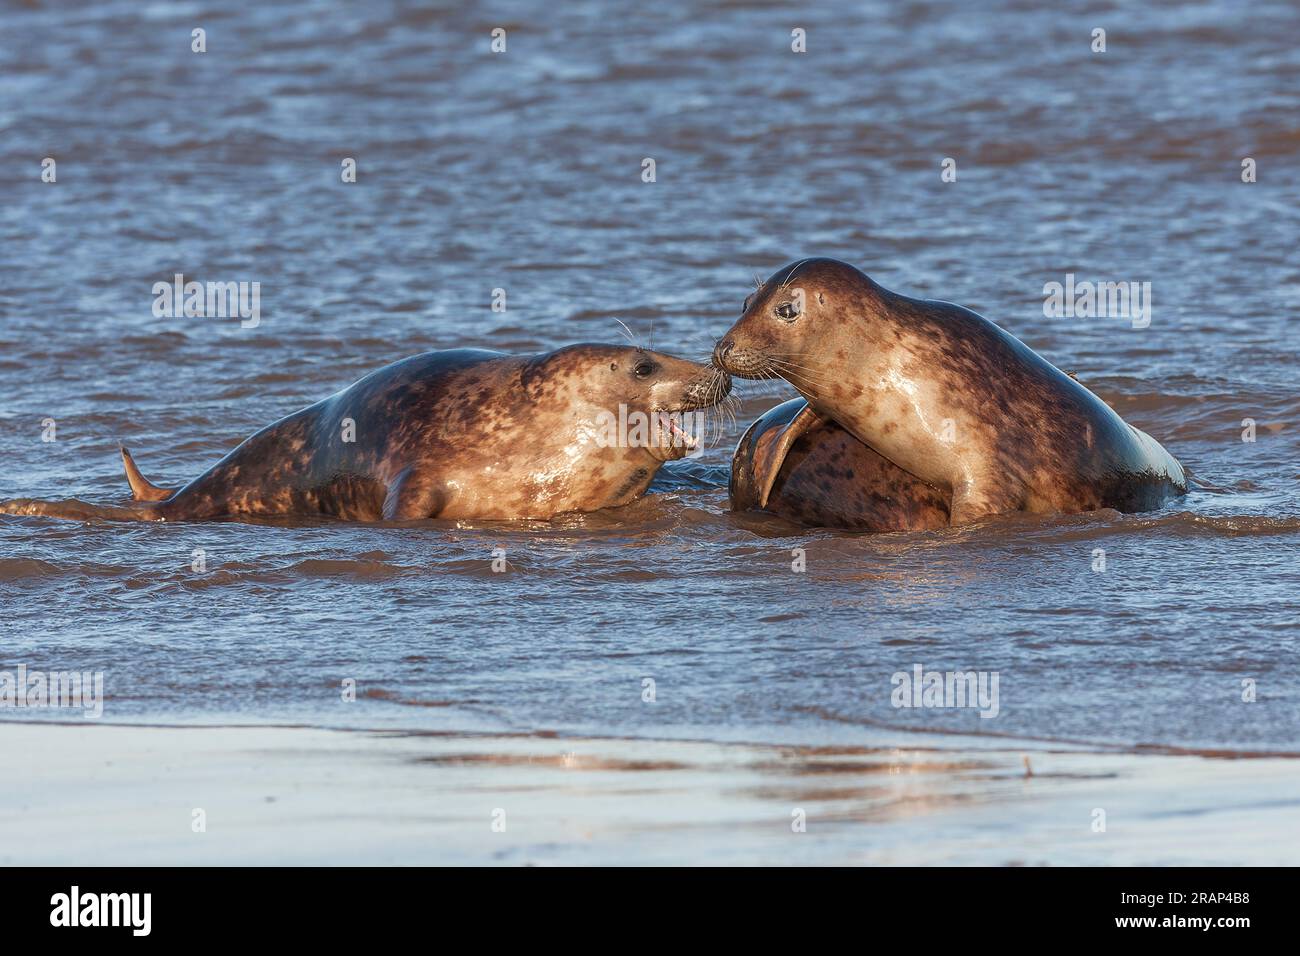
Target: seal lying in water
[
  {"x": 943, "y": 394},
  {"x": 464, "y": 433}
]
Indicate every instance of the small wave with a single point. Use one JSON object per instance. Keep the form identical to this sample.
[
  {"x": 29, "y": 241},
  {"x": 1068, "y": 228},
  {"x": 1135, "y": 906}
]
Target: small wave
[
  {"x": 18, "y": 569},
  {"x": 1138, "y": 748},
  {"x": 361, "y": 570},
  {"x": 1222, "y": 525},
  {"x": 378, "y": 693},
  {"x": 1056, "y": 528}
]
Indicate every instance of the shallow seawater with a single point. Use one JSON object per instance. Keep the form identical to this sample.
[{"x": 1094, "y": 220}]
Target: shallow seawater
[{"x": 522, "y": 171}]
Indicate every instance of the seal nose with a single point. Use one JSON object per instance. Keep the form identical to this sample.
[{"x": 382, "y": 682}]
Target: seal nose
[{"x": 721, "y": 351}]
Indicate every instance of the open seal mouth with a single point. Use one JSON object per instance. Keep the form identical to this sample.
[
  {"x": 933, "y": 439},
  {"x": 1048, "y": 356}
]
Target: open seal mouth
[
  {"x": 705, "y": 402},
  {"x": 667, "y": 433},
  {"x": 679, "y": 436}
]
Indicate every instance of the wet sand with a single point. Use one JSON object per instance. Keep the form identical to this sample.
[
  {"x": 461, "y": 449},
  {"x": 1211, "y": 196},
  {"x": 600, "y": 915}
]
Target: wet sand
[{"x": 114, "y": 794}]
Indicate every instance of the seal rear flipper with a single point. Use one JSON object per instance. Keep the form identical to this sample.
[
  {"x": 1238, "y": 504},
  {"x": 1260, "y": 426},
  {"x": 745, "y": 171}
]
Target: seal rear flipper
[
  {"x": 73, "y": 509},
  {"x": 141, "y": 487},
  {"x": 412, "y": 496},
  {"x": 1161, "y": 462},
  {"x": 771, "y": 448}
]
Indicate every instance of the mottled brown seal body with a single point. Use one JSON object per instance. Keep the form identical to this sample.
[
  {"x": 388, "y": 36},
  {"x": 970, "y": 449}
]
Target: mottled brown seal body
[
  {"x": 827, "y": 478},
  {"x": 464, "y": 433},
  {"x": 946, "y": 395}
]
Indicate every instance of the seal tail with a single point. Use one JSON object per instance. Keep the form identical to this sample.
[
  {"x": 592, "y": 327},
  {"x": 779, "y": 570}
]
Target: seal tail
[{"x": 141, "y": 487}]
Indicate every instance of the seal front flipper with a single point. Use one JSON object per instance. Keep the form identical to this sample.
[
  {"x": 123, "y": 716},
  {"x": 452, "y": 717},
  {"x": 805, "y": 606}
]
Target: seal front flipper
[
  {"x": 141, "y": 487},
  {"x": 975, "y": 499},
  {"x": 771, "y": 449},
  {"x": 412, "y": 496}
]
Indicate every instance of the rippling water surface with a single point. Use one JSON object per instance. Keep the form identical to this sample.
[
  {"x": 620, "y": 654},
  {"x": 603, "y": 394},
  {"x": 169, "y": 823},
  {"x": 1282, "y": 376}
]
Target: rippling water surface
[{"x": 522, "y": 171}]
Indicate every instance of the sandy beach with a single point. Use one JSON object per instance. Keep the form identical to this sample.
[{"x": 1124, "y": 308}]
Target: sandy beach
[{"x": 113, "y": 794}]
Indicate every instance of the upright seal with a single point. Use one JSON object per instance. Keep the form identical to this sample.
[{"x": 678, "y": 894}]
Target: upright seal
[{"x": 945, "y": 395}]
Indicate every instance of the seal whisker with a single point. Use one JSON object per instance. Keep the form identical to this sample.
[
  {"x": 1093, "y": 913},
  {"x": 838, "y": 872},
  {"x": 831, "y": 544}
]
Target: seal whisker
[
  {"x": 713, "y": 422},
  {"x": 786, "y": 357},
  {"x": 731, "y": 408},
  {"x": 627, "y": 334},
  {"x": 713, "y": 344},
  {"x": 814, "y": 370},
  {"x": 767, "y": 384},
  {"x": 789, "y": 276},
  {"x": 819, "y": 373},
  {"x": 789, "y": 373},
  {"x": 805, "y": 385}
]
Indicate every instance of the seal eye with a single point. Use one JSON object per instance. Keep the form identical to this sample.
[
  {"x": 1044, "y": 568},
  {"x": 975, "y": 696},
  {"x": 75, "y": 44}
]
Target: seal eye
[
  {"x": 643, "y": 368},
  {"x": 788, "y": 311}
]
